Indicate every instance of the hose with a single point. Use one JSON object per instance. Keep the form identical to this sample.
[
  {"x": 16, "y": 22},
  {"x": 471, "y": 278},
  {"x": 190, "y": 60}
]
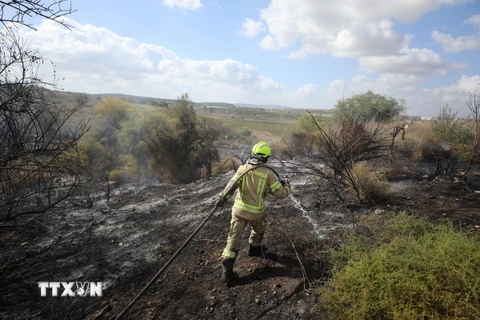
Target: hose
[{"x": 165, "y": 266}]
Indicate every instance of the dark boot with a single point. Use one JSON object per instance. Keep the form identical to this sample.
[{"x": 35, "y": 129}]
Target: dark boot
[
  {"x": 227, "y": 270},
  {"x": 254, "y": 251}
]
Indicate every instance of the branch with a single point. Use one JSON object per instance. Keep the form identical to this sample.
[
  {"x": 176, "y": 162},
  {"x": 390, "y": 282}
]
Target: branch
[{"x": 19, "y": 10}]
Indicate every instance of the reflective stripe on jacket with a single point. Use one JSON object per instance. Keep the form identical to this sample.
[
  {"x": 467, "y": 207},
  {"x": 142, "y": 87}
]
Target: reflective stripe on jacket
[{"x": 253, "y": 187}]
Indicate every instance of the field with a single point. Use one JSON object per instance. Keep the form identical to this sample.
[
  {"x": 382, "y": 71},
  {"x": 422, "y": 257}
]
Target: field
[{"x": 268, "y": 124}]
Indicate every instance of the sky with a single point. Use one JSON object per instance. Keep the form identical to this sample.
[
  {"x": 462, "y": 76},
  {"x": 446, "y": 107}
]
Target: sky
[{"x": 296, "y": 53}]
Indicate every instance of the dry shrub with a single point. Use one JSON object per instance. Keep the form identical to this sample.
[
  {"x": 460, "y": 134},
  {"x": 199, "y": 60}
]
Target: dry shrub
[
  {"x": 431, "y": 150},
  {"x": 300, "y": 143},
  {"x": 403, "y": 169},
  {"x": 369, "y": 184},
  {"x": 283, "y": 151},
  {"x": 418, "y": 137},
  {"x": 225, "y": 165}
]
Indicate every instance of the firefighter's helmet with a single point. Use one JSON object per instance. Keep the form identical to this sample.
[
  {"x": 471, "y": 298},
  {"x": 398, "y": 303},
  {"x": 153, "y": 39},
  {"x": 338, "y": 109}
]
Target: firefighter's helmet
[{"x": 262, "y": 149}]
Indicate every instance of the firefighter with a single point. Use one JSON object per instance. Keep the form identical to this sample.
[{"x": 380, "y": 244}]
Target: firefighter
[{"x": 248, "y": 206}]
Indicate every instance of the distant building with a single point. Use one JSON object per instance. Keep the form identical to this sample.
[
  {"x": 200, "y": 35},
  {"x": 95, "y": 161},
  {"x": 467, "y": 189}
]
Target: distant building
[{"x": 426, "y": 118}]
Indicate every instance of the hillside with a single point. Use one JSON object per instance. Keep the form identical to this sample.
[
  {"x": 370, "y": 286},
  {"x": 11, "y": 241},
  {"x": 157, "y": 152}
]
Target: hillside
[{"x": 241, "y": 114}]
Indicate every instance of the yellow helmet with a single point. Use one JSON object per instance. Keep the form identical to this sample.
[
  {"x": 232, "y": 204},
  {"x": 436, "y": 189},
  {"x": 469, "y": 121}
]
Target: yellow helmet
[{"x": 262, "y": 149}]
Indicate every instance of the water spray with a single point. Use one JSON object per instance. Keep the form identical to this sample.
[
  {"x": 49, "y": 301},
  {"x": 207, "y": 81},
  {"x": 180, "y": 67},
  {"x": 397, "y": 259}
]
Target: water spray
[{"x": 305, "y": 213}]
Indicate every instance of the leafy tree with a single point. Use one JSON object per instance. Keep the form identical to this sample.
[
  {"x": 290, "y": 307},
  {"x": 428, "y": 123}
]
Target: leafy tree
[
  {"x": 306, "y": 123},
  {"x": 185, "y": 125},
  {"x": 131, "y": 143},
  {"x": 108, "y": 116},
  {"x": 179, "y": 144},
  {"x": 162, "y": 146},
  {"x": 204, "y": 151},
  {"x": 96, "y": 164},
  {"x": 369, "y": 106},
  {"x": 185, "y": 136},
  {"x": 81, "y": 98}
]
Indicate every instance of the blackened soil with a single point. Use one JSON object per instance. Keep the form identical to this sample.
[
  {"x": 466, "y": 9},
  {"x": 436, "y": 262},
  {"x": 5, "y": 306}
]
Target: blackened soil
[{"x": 125, "y": 243}]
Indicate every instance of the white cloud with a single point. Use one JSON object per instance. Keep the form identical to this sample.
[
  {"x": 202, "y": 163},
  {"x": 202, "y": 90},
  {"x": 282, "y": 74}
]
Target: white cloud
[
  {"x": 357, "y": 39},
  {"x": 458, "y": 91},
  {"x": 364, "y": 39},
  {"x": 473, "y": 20},
  {"x": 451, "y": 44},
  {"x": 342, "y": 28},
  {"x": 187, "y": 4},
  {"x": 410, "y": 61},
  {"x": 269, "y": 43},
  {"x": 337, "y": 85},
  {"x": 251, "y": 28},
  {"x": 454, "y": 96},
  {"x": 307, "y": 89},
  {"x": 393, "y": 84},
  {"x": 96, "y": 60},
  {"x": 400, "y": 83}
]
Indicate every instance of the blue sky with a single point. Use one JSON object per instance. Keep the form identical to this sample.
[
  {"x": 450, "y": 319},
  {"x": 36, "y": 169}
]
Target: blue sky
[{"x": 302, "y": 53}]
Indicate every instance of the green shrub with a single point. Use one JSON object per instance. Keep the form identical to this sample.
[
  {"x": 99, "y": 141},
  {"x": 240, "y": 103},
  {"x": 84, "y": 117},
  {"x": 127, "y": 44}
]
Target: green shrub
[
  {"x": 450, "y": 131},
  {"x": 244, "y": 132},
  {"x": 404, "y": 268}
]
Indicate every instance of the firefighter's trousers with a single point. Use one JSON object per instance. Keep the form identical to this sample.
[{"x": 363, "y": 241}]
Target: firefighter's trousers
[{"x": 238, "y": 223}]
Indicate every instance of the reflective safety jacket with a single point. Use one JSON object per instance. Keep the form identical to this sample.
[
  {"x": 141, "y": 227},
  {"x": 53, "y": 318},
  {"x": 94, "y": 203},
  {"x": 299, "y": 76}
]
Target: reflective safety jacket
[{"x": 252, "y": 189}]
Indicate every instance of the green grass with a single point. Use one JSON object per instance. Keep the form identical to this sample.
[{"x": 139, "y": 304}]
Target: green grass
[
  {"x": 276, "y": 129},
  {"x": 404, "y": 268}
]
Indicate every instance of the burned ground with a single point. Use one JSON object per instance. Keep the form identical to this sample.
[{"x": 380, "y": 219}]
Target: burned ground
[{"x": 125, "y": 243}]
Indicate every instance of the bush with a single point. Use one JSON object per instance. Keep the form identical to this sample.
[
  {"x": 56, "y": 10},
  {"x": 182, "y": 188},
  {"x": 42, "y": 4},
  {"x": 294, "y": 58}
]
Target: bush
[
  {"x": 244, "y": 132},
  {"x": 418, "y": 134},
  {"x": 404, "y": 268},
  {"x": 450, "y": 131},
  {"x": 369, "y": 184}
]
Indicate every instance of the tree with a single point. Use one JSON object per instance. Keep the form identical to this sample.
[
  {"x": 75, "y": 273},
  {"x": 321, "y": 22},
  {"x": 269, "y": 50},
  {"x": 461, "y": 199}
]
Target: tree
[
  {"x": 108, "y": 116},
  {"x": 161, "y": 146},
  {"x": 460, "y": 138},
  {"x": 452, "y": 141},
  {"x": 473, "y": 104},
  {"x": 16, "y": 11},
  {"x": 185, "y": 136},
  {"x": 369, "y": 106},
  {"x": 35, "y": 140},
  {"x": 131, "y": 143},
  {"x": 179, "y": 144},
  {"x": 96, "y": 165},
  {"x": 305, "y": 123},
  {"x": 37, "y": 144},
  {"x": 185, "y": 125},
  {"x": 333, "y": 152},
  {"x": 204, "y": 151}
]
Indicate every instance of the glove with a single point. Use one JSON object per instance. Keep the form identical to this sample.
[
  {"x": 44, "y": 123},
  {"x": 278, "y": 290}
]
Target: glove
[
  {"x": 285, "y": 182},
  {"x": 219, "y": 202}
]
